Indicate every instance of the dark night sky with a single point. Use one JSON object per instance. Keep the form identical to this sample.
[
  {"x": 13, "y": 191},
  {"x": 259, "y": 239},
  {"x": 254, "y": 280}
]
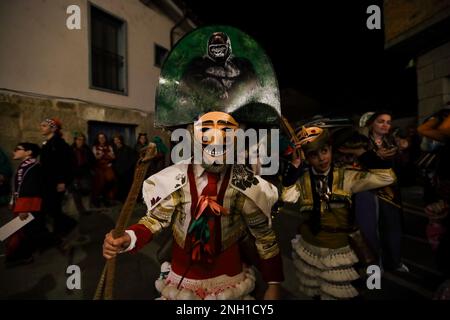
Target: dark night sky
[{"x": 324, "y": 50}]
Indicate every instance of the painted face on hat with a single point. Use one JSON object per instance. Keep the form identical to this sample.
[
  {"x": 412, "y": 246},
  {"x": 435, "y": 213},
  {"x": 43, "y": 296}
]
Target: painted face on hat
[
  {"x": 308, "y": 135},
  {"x": 215, "y": 132}
]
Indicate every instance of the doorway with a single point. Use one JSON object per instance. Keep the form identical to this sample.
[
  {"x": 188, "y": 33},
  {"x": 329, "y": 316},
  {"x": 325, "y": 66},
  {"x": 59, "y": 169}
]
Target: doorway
[{"x": 128, "y": 131}]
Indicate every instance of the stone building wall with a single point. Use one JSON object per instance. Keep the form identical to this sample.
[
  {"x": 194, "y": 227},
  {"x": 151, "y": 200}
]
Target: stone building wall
[
  {"x": 433, "y": 80},
  {"x": 404, "y": 18},
  {"x": 21, "y": 114}
]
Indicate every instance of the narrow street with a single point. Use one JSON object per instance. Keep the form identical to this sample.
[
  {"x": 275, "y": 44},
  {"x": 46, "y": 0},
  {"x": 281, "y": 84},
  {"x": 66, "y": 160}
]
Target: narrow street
[{"x": 46, "y": 277}]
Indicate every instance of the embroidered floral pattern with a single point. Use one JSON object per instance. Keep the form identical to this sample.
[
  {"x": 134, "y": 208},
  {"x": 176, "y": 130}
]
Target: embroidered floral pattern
[
  {"x": 155, "y": 200},
  {"x": 182, "y": 177},
  {"x": 243, "y": 178}
]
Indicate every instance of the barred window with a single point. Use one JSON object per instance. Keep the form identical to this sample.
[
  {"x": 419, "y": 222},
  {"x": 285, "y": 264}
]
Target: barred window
[{"x": 108, "y": 47}]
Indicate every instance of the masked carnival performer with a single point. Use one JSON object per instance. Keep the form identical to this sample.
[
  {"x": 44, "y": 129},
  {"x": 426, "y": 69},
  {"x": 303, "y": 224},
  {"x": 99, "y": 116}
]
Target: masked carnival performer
[
  {"x": 211, "y": 206},
  {"x": 322, "y": 255}
]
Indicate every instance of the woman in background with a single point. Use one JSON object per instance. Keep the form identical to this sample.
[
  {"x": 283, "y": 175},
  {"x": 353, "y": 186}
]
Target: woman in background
[
  {"x": 104, "y": 178},
  {"x": 159, "y": 162},
  {"x": 142, "y": 142},
  {"x": 84, "y": 163},
  {"x": 386, "y": 204}
]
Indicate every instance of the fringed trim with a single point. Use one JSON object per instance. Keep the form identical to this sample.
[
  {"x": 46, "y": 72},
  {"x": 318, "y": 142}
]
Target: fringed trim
[
  {"x": 323, "y": 271},
  {"x": 346, "y": 291},
  {"x": 309, "y": 291},
  {"x": 306, "y": 255},
  {"x": 333, "y": 275},
  {"x": 324, "y": 258},
  {"x": 340, "y": 275},
  {"x": 307, "y": 281},
  {"x": 303, "y": 267},
  {"x": 218, "y": 288},
  {"x": 324, "y": 296},
  {"x": 327, "y": 291}
]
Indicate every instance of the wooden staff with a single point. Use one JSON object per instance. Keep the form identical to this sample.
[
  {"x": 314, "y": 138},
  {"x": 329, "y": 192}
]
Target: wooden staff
[{"x": 106, "y": 283}]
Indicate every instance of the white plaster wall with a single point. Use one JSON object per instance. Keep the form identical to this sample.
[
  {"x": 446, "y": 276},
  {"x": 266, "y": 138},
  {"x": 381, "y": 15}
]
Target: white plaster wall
[{"x": 39, "y": 54}]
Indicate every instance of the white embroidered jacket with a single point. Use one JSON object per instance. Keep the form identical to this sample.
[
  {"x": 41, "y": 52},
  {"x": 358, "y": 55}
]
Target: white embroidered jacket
[{"x": 248, "y": 198}]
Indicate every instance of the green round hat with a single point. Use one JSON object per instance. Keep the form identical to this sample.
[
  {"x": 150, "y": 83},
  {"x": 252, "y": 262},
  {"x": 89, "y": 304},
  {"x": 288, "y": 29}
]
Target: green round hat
[{"x": 217, "y": 68}]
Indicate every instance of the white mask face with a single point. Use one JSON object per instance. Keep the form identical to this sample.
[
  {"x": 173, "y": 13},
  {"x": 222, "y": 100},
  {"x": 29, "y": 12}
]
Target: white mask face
[{"x": 215, "y": 132}]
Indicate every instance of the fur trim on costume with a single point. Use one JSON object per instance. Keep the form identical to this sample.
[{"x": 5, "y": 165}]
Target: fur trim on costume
[
  {"x": 160, "y": 285},
  {"x": 170, "y": 292},
  {"x": 218, "y": 288},
  {"x": 186, "y": 294}
]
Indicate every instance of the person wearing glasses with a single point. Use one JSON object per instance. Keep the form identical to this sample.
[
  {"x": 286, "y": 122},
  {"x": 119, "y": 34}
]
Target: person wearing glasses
[{"x": 26, "y": 201}]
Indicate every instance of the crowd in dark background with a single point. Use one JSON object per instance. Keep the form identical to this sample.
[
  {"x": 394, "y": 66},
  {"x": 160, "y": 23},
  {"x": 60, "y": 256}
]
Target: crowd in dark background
[
  {"x": 47, "y": 174},
  {"x": 104, "y": 173}
]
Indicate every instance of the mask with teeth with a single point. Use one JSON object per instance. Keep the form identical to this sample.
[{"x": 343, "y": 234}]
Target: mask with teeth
[{"x": 215, "y": 132}]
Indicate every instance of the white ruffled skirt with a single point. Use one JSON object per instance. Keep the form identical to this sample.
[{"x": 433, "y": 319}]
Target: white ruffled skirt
[
  {"x": 223, "y": 287},
  {"x": 324, "y": 272}
]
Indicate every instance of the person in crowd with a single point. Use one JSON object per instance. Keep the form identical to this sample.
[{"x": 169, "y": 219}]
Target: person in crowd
[
  {"x": 159, "y": 162},
  {"x": 435, "y": 131},
  {"x": 323, "y": 257},
  {"x": 206, "y": 259},
  {"x": 84, "y": 163},
  {"x": 104, "y": 177},
  {"x": 406, "y": 161},
  {"x": 123, "y": 165},
  {"x": 380, "y": 214},
  {"x": 141, "y": 143},
  {"x": 25, "y": 201},
  {"x": 437, "y": 128},
  {"x": 5, "y": 178},
  {"x": 57, "y": 169},
  {"x": 209, "y": 204}
]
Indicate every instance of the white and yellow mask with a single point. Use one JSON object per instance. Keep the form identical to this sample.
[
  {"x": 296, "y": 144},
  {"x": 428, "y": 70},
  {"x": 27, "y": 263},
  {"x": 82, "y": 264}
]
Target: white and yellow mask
[{"x": 215, "y": 132}]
